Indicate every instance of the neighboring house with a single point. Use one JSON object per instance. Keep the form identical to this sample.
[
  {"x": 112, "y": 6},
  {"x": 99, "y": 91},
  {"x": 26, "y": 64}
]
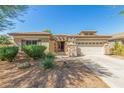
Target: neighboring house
[
  {"x": 117, "y": 38},
  {"x": 6, "y": 40},
  {"x": 86, "y": 42}
]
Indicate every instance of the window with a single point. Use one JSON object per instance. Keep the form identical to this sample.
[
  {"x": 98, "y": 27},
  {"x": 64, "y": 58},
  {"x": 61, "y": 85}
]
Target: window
[
  {"x": 97, "y": 43},
  {"x": 93, "y": 42},
  {"x": 28, "y": 42},
  {"x": 34, "y": 42},
  {"x": 31, "y": 42},
  {"x": 86, "y": 33},
  {"x": 89, "y": 42}
]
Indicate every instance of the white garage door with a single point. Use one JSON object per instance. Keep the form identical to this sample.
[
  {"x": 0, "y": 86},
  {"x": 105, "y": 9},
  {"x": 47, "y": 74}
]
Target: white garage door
[{"x": 91, "y": 50}]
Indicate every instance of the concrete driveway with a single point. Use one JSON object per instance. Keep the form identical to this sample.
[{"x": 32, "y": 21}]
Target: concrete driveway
[{"x": 110, "y": 70}]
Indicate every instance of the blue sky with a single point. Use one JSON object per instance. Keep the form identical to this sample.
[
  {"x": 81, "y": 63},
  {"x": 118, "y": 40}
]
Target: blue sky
[{"x": 71, "y": 19}]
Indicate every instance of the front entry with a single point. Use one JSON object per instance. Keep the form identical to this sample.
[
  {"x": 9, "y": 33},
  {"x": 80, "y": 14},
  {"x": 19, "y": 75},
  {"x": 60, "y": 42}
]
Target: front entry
[{"x": 61, "y": 46}]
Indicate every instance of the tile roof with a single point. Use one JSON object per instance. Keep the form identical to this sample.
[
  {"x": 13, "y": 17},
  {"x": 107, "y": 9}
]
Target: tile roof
[
  {"x": 60, "y": 35},
  {"x": 118, "y": 35},
  {"x": 91, "y": 31},
  {"x": 91, "y": 36},
  {"x": 29, "y": 33},
  {"x": 84, "y": 36}
]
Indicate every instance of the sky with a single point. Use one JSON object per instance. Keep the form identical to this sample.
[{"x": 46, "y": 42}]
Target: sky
[{"x": 71, "y": 19}]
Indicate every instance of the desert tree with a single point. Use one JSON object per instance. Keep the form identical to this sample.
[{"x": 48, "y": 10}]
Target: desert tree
[
  {"x": 10, "y": 13},
  {"x": 47, "y": 30}
]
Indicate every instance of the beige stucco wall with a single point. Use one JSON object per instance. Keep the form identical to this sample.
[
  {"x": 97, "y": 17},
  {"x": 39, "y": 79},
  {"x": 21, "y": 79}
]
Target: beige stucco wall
[
  {"x": 52, "y": 46},
  {"x": 47, "y": 45},
  {"x": 44, "y": 40}
]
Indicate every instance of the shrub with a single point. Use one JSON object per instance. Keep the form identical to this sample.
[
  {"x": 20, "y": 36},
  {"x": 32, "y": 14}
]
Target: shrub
[
  {"x": 8, "y": 53},
  {"x": 122, "y": 50},
  {"x": 34, "y": 51},
  {"x": 50, "y": 55},
  {"x": 23, "y": 65},
  {"x": 47, "y": 63},
  {"x": 118, "y": 49}
]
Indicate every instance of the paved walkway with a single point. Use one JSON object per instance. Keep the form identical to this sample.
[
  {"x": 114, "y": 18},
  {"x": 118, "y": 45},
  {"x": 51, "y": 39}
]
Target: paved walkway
[{"x": 110, "y": 70}]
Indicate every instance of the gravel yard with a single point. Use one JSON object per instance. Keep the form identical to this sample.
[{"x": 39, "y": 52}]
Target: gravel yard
[{"x": 67, "y": 73}]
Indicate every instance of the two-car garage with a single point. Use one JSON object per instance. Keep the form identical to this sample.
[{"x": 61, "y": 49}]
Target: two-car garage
[{"x": 91, "y": 48}]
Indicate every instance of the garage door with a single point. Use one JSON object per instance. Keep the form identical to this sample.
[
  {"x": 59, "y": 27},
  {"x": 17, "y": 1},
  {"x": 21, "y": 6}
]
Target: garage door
[{"x": 91, "y": 50}]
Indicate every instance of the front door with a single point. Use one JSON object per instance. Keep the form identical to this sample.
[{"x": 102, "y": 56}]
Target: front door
[{"x": 61, "y": 46}]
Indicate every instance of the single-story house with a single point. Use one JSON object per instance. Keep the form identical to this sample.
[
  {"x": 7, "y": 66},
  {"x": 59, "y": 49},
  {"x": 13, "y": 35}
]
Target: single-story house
[
  {"x": 84, "y": 43},
  {"x": 119, "y": 37}
]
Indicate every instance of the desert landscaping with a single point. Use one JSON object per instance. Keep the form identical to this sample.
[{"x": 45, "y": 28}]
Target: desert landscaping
[{"x": 72, "y": 74}]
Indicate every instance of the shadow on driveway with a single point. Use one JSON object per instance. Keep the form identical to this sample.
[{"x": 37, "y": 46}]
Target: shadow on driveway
[{"x": 97, "y": 69}]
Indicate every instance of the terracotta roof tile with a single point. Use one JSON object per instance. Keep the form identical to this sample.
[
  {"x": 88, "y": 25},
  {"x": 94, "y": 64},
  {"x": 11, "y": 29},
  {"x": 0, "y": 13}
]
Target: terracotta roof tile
[
  {"x": 30, "y": 33},
  {"x": 84, "y": 36},
  {"x": 63, "y": 35},
  {"x": 91, "y": 31},
  {"x": 118, "y": 35}
]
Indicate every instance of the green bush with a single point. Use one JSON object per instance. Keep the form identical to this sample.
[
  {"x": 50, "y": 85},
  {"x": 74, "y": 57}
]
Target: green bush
[
  {"x": 118, "y": 49},
  {"x": 23, "y": 65},
  {"x": 47, "y": 63},
  {"x": 8, "y": 53},
  {"x": 34, "y": 51},
  {"x": 50, "y": 55},
  {"x": 122, "y": 53}
]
